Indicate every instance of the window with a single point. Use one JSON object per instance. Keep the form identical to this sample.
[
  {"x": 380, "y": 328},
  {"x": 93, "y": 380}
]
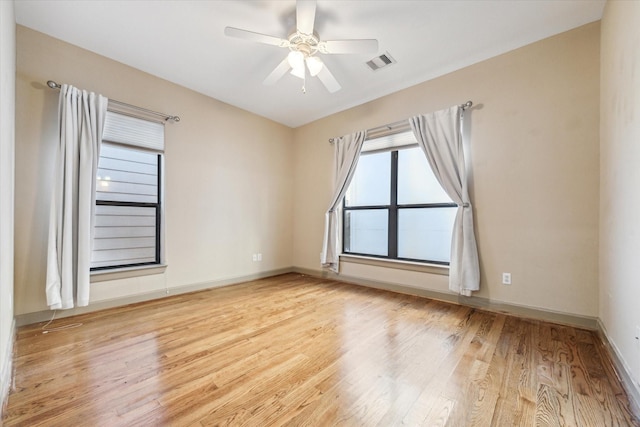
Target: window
[
  {"x": 128, "y": 215},
  {"x": 394, "y": 207}
]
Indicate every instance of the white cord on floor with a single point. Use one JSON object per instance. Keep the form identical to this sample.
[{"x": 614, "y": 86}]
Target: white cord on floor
[{"x": 58, "y": 328}]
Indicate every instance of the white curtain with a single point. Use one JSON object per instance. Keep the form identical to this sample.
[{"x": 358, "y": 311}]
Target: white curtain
[
  {"x": 439, "y": 135},
  {"x": 81, "y": 117},
  {"x": 347, "y": 151}
]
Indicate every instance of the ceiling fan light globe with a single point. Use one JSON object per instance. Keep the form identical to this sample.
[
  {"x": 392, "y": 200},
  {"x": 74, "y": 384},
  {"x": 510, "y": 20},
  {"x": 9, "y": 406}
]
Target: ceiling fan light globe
[
  {"x": 299, "y": 72},
  {"x": 296, "y": 59},
  {"x": 315, "y": 65}
]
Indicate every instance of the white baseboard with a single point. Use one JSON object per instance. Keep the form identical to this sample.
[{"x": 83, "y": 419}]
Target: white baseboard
[
  {"x": 476, "y": 302},
  {"x": 6, "y": 371},
  {"x": 622, "y": 369},
  {"x": 44, "y": 316}
]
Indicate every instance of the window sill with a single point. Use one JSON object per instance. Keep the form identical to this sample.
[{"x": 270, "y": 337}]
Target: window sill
[
  {"x": 125, "y": 273},
  {"x": 397, "y": 264}
]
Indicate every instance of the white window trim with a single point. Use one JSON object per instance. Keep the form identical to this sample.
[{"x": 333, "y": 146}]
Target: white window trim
[
  {"x": 421, "y": 267},
  {"x": 127, "y": 272}
]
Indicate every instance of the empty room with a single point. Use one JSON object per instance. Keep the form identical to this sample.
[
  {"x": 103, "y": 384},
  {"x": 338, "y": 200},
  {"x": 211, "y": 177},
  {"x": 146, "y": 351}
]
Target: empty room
[{"x": 318, "y": 212}]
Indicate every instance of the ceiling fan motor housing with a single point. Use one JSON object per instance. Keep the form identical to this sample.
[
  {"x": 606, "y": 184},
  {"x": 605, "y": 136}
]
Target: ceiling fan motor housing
[{"x": 307, "y": 44}]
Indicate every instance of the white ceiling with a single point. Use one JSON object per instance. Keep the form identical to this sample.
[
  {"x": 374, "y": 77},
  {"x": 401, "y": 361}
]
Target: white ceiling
[{"x": 184, "y": 42}]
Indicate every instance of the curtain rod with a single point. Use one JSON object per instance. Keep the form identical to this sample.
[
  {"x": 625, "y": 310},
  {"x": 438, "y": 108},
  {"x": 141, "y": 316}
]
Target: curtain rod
[
  {"x": 399, "y": 123},
  {"x": 54, "y": 85}
]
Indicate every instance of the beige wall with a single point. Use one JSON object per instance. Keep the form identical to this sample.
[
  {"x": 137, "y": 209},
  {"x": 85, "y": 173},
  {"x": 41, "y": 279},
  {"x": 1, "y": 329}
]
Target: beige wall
[
  {"x": 231, "y": 190},
  {"x": 620, "y": 181},
  {"x": 228, "y": 176},
  {"x": 7, "y": 114},
  {"x": 534, "y": 143}
]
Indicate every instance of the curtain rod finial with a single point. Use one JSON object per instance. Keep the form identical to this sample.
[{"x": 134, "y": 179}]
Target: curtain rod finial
[{"x": 53, "y": 85}]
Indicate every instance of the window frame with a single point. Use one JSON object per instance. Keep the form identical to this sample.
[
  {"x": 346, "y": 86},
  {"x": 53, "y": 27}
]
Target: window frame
[
  {"x": 393, "y": 209},
  {"x": 158, "y": 215},
  {"x": 128, "y": 127}
]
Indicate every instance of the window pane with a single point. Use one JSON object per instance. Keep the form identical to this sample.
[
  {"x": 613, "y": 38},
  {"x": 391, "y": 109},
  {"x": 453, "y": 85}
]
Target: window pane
[
  {"x": 416, "y": 182},
  {"x": 366, "y": 231},
  {"x": 127, "y": 175},
  {"x": 124, "y": 235},
  {"x": 425, "y": 234},
  {"x": 371, "y": 182}
]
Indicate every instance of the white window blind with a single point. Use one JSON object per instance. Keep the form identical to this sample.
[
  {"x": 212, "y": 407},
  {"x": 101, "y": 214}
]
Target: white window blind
[
  {"x": 389, "y": 142},
  {"x": 129, "y": 130}
]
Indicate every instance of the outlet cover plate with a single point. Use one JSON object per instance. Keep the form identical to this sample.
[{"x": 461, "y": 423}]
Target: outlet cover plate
[{"x": 506, "y": 278}]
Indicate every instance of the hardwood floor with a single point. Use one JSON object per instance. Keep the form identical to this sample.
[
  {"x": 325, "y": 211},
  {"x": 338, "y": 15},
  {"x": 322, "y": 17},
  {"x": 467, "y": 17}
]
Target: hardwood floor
[{"x": 295, "y": 350}]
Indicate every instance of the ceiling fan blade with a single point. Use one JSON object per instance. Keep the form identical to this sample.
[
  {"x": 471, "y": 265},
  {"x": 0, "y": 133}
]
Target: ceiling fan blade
[
  {"x": 255, "y": 37},
  {"x": 349, "y": 46},
  {"x": 328, "y": 80},
  {"x": 305, "y": 15},
  {"x": 277, "y": 74}
]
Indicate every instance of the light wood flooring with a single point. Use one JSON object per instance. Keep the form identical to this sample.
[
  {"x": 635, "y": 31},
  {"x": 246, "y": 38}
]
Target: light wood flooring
[{"x": 295, "y": 350}]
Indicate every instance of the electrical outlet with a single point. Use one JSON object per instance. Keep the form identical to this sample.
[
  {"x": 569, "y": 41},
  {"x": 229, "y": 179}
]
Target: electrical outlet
[
  {"x": 255, "y": 257},
  {"x": 259, "y": 257},
  {"x": 506, "y": 278}
]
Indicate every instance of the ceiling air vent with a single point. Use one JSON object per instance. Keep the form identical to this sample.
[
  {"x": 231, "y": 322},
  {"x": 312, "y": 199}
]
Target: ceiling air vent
[{"x": 381, "y": 61}]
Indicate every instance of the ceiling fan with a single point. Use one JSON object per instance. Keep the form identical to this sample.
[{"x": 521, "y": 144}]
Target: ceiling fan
[{"x": 303, "y": 44}]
